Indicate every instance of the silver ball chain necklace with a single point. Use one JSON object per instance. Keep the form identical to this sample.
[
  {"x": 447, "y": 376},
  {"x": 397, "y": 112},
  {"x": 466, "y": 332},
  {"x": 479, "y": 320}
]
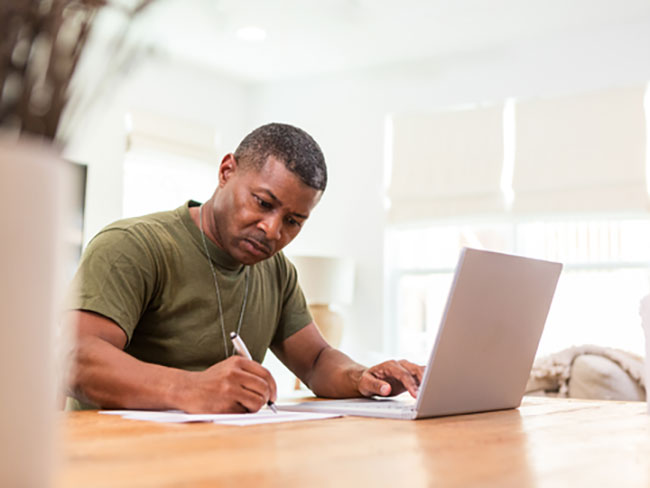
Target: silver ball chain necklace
[{"x": 216, "y": 287}]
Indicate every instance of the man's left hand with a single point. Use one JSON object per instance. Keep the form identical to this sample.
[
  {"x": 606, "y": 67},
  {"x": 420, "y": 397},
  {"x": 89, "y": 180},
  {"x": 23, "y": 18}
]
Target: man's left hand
[{"x": 391, "y": 378}]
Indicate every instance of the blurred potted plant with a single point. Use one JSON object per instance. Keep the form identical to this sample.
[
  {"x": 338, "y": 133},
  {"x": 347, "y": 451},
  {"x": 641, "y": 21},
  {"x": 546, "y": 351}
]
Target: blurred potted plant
[{"x": 41, "y": 48}]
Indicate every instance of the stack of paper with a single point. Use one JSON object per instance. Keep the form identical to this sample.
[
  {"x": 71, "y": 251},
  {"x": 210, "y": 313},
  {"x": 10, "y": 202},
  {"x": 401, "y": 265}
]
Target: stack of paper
[{"x": 264, "y": 416}]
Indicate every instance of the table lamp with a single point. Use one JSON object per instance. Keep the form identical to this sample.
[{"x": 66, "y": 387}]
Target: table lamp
[{"x": 326, "y": 282}]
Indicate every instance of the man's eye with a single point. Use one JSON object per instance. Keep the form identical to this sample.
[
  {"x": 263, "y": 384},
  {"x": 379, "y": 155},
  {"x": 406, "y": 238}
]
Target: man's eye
[
  {"x": 293, "y": 222},
  {"x": 263, "y": 203}
]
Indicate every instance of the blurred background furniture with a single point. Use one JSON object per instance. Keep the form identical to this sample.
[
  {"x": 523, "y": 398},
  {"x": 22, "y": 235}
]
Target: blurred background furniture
[
  {"x": 589, "y": 372},
  {"x": 328, "y": 283},
  {"x": 595, "y": 372}
]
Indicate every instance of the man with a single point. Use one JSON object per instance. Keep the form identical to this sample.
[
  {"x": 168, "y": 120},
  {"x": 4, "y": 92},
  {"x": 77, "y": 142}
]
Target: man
[{"x": 155, "y": 298}]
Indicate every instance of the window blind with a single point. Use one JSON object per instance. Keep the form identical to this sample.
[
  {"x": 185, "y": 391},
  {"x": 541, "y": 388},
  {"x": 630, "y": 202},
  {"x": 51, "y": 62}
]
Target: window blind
[
  {"x": 446, "y": 164},
  {"x": 581, "y": 154},
  {"x": 148, "y": 132}
]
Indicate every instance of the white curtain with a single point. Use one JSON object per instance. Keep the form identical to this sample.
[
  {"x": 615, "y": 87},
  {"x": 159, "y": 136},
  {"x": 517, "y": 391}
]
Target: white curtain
[
  {"x": 148, "y": 132},
  {"x": 446, "y": 164},
  {"x": 581, "y": 154}
]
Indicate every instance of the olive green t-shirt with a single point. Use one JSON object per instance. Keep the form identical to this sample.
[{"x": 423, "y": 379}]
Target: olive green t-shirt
[{"x": 151, "y": 276}]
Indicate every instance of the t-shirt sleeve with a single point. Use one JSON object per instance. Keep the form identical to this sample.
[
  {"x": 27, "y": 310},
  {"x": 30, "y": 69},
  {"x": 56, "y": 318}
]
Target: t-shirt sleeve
[
  {"x": 295, "y": 313},
  {"x": 116, "y": 278}
]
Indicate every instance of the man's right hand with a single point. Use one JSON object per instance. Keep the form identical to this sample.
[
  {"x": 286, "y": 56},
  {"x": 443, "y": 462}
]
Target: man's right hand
[
  {"x": 102, "y": 374},
  {"x": 235, "y": 385}
]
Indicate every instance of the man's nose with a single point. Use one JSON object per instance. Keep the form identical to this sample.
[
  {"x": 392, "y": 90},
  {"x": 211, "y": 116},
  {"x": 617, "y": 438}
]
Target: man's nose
[{"x": 271, "y": 225}]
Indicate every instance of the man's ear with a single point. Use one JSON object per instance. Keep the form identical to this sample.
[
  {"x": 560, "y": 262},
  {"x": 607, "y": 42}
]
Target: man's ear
[{"x": 227, "y": 168}]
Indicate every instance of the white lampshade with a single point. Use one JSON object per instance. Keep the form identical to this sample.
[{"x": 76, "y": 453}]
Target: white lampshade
[{"x": 325, "y": 280}]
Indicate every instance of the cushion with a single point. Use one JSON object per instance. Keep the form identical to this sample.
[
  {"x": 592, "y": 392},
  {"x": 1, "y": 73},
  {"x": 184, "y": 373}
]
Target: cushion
[{"x": 596, "y": 377}]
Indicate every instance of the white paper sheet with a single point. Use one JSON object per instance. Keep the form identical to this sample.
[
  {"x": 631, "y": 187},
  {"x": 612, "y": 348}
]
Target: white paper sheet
[{"x": 264, "y": 416}]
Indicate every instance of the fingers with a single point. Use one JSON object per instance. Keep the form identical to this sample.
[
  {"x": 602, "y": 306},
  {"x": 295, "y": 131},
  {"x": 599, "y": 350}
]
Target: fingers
[
  {"x": 370, "y": 385},
  {"x": 234, "y": 385},
  {"x": 416, "y": 370},
  {"x": 259, "y": 372},
  {"x": 400, "y": 373},
  {"x": 391, "y": 377}
]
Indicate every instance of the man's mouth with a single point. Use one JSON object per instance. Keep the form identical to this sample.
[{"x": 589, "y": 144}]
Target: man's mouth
[{"x": 256, "y": 247}]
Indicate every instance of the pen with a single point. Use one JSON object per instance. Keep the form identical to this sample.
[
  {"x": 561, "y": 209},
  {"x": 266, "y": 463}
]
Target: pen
[{"x": 242, "y": 350}]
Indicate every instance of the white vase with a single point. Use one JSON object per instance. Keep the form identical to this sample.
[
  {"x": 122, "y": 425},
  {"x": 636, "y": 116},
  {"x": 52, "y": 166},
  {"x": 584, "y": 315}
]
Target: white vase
[{"x": 32, "y": 180}]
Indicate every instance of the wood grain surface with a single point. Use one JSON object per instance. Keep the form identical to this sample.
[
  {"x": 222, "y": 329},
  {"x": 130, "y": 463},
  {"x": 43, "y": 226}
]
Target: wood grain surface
[{"x": 546, "y": 442}]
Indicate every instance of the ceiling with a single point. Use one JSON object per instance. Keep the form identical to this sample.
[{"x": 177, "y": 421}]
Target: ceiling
[{"x": 308, "y": 37}]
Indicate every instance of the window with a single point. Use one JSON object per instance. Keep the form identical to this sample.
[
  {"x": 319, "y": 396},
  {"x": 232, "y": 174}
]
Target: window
[
  {"x": 485, "y": 175},
  {"x": 169, "y": 161},
  {"x": 155, "y": 181},
  {"x": 606, "y": 273}
]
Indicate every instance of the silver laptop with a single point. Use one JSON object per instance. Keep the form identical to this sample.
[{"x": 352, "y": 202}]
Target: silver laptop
[{"x": 486, "y": 343}]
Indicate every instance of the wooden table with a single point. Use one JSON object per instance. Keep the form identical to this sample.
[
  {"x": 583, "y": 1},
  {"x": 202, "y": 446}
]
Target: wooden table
[{"x": 545, "y": 442}]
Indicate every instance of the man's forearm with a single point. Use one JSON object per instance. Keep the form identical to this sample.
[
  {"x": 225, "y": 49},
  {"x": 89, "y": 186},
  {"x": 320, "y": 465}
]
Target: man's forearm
[
  {"x": 106, "y": 376},
  {"x": 335, "y": 375}
]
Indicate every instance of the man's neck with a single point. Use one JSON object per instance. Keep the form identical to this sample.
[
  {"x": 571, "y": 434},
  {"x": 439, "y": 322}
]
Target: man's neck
[{"x": 205, "y": 227}]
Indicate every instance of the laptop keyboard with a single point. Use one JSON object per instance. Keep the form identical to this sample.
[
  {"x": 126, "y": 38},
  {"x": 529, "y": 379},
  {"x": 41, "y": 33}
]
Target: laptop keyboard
[
  {"x": 366, "y": 403},
  {"x": 357, "y": 405},
  {"x": 362, "y": 407}
]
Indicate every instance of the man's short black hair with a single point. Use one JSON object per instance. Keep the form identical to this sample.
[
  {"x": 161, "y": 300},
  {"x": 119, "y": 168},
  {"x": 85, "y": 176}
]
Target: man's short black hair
[{"x": 296, "y": 149}]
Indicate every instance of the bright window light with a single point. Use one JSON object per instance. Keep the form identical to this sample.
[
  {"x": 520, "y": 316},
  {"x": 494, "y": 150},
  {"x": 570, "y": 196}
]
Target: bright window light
[
  {"x": 155, "y": 181},
  {"x": 606, "y": 274},
  {"x": 646, "y": 107},
  {"x": 508, "y": 170},
  {"x": 251, "y": 33}
]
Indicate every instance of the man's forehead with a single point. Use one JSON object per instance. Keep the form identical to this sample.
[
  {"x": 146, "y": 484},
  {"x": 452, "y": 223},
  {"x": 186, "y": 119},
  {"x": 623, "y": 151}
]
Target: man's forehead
[
  {"x": 257, "y": 162},
  {"x": 273, "y": 171}
]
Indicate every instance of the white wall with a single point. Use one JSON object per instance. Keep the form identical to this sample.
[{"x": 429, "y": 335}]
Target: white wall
[
  {"x": 160, "y": 86},
  {"x": 346, "y": 113}
]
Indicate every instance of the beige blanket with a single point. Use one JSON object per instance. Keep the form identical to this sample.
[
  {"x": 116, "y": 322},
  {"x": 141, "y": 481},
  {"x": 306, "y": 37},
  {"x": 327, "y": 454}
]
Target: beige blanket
[{"x": 553, "y": 373}]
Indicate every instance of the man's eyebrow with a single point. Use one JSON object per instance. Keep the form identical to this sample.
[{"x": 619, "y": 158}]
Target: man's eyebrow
[
  {"x": 277, "y": 200},
  {"x": 273, "y": 197}
]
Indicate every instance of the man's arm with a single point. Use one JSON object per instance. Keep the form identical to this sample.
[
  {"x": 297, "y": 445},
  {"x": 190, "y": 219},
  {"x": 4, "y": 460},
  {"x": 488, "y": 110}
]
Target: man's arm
[
  {"x": 330, "y": 373},
  {"x": 103, "y": 374}
]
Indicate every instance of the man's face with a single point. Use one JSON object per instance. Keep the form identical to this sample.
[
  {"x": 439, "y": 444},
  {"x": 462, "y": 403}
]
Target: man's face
[{"x": 258, "y": 212}]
